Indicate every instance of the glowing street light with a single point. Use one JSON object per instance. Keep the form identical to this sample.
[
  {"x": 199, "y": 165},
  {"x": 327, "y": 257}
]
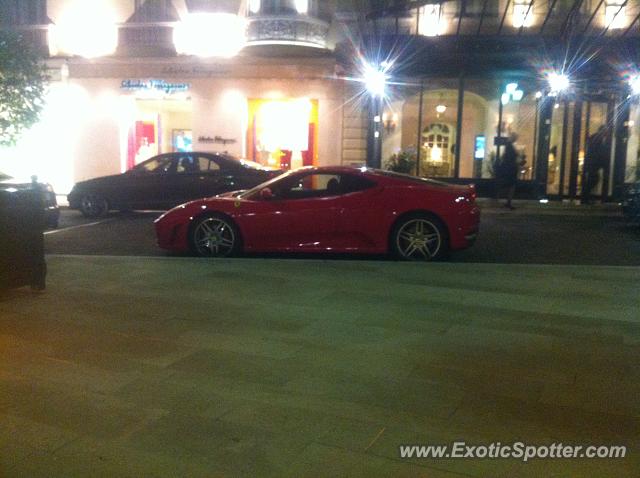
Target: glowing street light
[
  {"x": 302, "y": 6},
  {"x": 375, "y": 80},
  {"x": 511, "y": 93},
  {"x": 210, "y": 35},
  {"x": 634, "y": 84},
  {"x": 254, "y": 6},
  {"x": 87, "y": 29},
  {"x": 558, "y": 82}
]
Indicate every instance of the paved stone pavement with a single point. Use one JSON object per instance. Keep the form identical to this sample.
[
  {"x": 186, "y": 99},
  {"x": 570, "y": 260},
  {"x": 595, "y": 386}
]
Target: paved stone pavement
[{"x": 270, "y": 367}]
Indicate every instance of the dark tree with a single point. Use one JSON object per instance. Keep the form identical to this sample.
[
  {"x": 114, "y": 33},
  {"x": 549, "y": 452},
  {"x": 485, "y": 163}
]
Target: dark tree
[{"x": 23, "y": 82}]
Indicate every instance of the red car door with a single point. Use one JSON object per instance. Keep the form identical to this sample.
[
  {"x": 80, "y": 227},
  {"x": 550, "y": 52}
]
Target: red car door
[
  {"x": 360, "y": 215},
  {"x": 301, "y": 216}
]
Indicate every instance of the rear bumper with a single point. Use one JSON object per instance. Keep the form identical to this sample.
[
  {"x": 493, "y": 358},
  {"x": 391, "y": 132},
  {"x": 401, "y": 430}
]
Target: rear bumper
[
  {"x": 466, "y": 230},
  {"x": 471, "y": 237}
]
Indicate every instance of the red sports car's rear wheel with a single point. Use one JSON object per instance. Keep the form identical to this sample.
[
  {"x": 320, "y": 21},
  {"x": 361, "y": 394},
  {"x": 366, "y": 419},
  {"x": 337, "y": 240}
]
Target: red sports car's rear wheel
[
  {"x": 419, "y": 237},
  {"x": 214, "y": 236}
]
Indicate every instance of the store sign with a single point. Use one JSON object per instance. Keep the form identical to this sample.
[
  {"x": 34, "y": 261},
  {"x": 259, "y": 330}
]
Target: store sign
[
  {"x": 216, "y": 140},
  {"x": 154, "y": 85}
]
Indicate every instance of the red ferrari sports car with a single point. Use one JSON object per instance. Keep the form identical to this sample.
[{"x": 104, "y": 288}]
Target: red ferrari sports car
[{"x": 328, "y": 209}]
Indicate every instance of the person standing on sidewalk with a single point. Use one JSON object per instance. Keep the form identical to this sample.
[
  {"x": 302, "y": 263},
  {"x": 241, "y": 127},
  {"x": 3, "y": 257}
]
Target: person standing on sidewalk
[
  {"x": 595, "y": 161},
  {"x": 507, "y": 170}
]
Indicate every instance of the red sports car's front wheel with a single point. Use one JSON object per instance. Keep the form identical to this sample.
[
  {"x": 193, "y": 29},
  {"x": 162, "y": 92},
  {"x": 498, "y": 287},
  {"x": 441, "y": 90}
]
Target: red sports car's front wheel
[
  {"x": 419, "y": 237},
  {"x": 214, "y": 236}
]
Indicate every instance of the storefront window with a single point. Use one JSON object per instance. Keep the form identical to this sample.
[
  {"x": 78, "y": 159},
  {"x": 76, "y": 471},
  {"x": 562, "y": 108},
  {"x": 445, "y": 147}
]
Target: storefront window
[
  {"x": 433, "y": 136},
  {"x": 158, "y": 126},
  {"x": 479, "y": 128},
  {"x": 283, "y": 133},
  {"x": 632, "y": 170},
  {"x": 480, "y": 117},
  {"x": 433, "y": 133}
]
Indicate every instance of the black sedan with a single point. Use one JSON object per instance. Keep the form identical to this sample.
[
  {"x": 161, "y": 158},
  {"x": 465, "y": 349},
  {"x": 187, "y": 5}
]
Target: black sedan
[
  {"x": 46, "y": 193},
  {"x": 167, "y": 180}
]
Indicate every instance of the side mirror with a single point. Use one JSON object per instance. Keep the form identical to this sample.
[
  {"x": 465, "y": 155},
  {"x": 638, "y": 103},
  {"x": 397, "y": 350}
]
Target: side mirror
[{"x": 266, "y": 194}]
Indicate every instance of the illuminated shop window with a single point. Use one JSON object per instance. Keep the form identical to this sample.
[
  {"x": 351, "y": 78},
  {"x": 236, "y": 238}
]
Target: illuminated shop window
[
  {"x": 283, "y": 133},
  {"x": 522, "y": 13},
  {"x": 615, "y": 14},
  {"x": 437, "y": 141},
  {"x": 430, "y": 21}
]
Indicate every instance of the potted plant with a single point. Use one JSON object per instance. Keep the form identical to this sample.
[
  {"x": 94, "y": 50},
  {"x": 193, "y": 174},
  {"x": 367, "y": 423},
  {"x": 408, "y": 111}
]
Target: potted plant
[{"x": 402, "y": 162}]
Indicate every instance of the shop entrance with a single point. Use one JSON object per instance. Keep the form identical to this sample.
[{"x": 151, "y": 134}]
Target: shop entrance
[
  {"x": 158, "y": 126},
  {"x": 569, "y": 126}
]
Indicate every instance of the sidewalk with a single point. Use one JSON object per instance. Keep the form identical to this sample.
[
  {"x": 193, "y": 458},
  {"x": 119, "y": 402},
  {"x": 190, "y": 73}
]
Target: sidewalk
[
  {"x": 555, "y": 208},
  {"x": 271, "y": 367}
]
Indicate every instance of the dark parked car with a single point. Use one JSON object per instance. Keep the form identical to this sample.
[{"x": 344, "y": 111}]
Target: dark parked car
[
  {"x": 47, "y": 196},
  {"x": 631, "y": 203},
  {"x": 167, "y": 180}
]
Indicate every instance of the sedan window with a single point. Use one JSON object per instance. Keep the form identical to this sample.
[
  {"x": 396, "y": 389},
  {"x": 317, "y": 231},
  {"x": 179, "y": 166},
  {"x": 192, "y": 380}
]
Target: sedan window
[
  {"x": 186, "y": 164},
  {"x": 207, "y": 164},
  {"x": 155, "y": 165}
]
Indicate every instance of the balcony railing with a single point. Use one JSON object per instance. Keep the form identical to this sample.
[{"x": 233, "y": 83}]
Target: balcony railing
[{"x": 293, "y": 30}]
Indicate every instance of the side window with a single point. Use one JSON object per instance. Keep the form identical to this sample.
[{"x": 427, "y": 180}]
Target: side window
[
  {"x": 351, "y": 183},
  {"x": 309, "y": 186},
  {"x": 207, "y": 164},
  {"x": 187, "y": 164},
  {"x": 156, "y": 165}
]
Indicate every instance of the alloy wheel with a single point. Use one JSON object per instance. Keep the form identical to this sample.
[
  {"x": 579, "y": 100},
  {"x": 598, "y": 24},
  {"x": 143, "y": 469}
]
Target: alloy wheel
[
  {"x": 214, "y": 237},
  {"x": 418, "y": 239},
  {"x": 92, "y": 205}
]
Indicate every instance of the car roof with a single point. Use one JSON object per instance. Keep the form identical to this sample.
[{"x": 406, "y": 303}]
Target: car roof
[{"x": 388, "y": 177}]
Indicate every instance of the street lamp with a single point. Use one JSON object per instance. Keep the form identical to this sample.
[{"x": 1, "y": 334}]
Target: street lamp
[
  {"x": 634, "y": 84},
  {"x": 375, "y": 81},
  {"x": 558, "y": 82}
]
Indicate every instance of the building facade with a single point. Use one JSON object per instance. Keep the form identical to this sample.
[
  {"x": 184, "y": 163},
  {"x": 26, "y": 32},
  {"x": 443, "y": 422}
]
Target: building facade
[
  {"x": 281, "y": 82},
  {"x": 464, "y": 76},
  {"x": 132, "y": 79}
]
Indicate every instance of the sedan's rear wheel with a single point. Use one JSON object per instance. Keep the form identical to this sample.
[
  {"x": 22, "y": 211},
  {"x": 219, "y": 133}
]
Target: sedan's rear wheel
[
  {"x": 214, "y": 236},
  {"x": 93, "y": 205},
  {"x": 419, "y": 238}
]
